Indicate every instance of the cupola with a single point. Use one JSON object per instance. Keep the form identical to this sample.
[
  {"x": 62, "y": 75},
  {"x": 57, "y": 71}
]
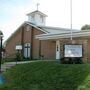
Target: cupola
[{"x": 37, "y": 18}]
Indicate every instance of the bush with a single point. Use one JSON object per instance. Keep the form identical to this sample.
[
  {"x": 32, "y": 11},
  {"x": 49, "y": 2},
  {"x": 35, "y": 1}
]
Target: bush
[
  {"x": 71, "y": 60},
  {"x": 78, "y": 60},
  {"x": 18, "y": 56}
]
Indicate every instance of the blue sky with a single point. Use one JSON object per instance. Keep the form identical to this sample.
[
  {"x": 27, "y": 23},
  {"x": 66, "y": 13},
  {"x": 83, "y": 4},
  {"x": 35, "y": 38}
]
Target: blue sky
[
  {"x": 13, "y": 13},
  {"x": 12, "y": 8}
]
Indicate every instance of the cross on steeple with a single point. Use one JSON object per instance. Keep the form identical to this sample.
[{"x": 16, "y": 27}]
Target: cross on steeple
[{"x": 37, "y": 6}]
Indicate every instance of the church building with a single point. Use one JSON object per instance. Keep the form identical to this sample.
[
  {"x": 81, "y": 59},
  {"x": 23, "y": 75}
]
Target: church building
[{"x": 38, "y": 41}]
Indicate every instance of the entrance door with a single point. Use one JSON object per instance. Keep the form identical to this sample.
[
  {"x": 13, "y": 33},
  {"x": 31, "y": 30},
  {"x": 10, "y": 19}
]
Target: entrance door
[
  {"x": 57, "y": 49},
  {"x": 27, "y": 50}
]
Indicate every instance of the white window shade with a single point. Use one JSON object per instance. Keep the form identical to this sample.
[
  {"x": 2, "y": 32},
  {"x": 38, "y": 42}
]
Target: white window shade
[
  {"x": 73, "y": 51},
  {"x": 18, "y": 47}
]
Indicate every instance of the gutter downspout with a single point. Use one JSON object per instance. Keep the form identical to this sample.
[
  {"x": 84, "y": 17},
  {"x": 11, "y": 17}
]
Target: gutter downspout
[
  {"x": 22, "y": 41},
  {"x": 39, "y": 49},
  {"x": 31, "y": 50}
]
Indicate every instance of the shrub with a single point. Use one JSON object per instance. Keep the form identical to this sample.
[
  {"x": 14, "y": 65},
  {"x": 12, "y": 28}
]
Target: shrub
[
  {"x": 71, "y": 60},
  {"x": 18, "y": 56}
]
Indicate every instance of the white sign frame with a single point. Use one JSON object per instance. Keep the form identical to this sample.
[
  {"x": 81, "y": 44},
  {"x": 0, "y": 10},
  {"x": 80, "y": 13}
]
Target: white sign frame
[
  {"x": 73, "y": 50},
  {"x": 18, "y": 47}
]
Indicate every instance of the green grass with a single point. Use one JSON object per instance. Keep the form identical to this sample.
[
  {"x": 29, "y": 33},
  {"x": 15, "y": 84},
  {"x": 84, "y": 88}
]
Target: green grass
[{"x": 48, "y": 76}]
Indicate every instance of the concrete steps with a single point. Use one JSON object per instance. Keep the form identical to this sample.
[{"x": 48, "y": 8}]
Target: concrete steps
[
  {"x": 9, "y": 65},
  {"x": 5, "y": 67}
]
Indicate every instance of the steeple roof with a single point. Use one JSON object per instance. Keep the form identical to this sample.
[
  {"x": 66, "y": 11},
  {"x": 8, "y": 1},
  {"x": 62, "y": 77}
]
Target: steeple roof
[{"x": 37, "y": 11}]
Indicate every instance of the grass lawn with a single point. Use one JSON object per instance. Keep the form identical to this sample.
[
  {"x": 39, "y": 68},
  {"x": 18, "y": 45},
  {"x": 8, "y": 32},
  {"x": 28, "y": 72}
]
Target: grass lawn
[{"x": 47, "y": 76}]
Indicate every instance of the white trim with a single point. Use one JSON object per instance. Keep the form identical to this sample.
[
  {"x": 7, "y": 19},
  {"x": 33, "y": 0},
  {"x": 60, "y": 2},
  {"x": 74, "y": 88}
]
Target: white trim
[
  {"x": 63, "y": 35},
  {"x": 36, "y": 27},
  {"x": 57, "y": 28}
]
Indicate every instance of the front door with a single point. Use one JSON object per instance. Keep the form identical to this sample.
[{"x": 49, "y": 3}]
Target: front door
[{"x": 57, "y": 49}]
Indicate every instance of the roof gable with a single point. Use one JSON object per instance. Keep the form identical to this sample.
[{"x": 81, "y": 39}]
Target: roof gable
[{"x": 28, "y": 23}]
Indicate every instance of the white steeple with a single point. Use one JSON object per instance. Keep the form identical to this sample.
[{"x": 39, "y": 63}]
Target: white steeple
[{"x": 37, "y": 17}]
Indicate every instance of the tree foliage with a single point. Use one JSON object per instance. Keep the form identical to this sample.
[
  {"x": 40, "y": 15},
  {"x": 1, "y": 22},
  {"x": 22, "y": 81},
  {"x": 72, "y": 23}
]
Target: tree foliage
[{"x": 85, "y": 27}]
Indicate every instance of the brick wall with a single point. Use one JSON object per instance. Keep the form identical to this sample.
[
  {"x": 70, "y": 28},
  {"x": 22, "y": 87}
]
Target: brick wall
[
  {"x": 16, "y": 38},
  {"x": 11, "y": 43},
  {"x": 76, "y": 41}
]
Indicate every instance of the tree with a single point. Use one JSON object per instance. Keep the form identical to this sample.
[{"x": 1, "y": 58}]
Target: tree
[{"x": 85, "y": 27}]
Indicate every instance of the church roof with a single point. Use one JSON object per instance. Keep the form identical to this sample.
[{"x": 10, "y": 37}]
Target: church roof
[
  {"x": 48, "y": 30},
  {"x": 54, "y": 30},
  {"x": 37, "y": 11},
  {"x": 79, "y": 33},
  {"x": 29, "y": 23}
]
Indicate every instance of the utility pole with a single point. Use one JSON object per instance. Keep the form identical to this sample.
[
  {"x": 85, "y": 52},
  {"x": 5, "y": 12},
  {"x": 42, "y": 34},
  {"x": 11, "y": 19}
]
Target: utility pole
[
  {"x": 71, "y": 18},
  {"x": 1, "y": 39}
]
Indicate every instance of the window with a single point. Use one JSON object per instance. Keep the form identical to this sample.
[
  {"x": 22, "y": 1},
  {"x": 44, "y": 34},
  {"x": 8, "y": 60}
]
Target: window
[
  {"x": 57, "y": 48},
  {"x": 27, "y": 28},
  {"x": 41, "y": 17},
  {"x": 32, "y": 17}
]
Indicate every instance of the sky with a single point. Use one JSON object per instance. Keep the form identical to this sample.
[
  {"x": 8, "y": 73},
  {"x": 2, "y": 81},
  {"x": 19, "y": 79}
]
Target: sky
[{"x": 13, "y": 13}]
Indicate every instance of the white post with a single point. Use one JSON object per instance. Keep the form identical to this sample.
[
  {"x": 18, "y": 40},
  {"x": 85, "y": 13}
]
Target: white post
[
  {"x": 71, "y": 18},
  {"x": 57, "y": 49}
]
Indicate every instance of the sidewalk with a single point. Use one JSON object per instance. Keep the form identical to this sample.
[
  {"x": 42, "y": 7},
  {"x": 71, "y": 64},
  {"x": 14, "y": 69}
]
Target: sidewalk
[{"x": 8, "y": 65}]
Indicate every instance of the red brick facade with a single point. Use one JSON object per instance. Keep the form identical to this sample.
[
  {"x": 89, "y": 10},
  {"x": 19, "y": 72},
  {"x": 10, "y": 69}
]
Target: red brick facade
[
  {"x": 44, "y": 49},
  {"x": 39, "y": 49}
]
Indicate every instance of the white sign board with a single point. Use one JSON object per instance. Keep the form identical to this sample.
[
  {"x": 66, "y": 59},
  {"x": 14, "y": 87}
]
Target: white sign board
[
  {"x": 73, "y": 51},
  {"x": 18, "y": 47}
]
